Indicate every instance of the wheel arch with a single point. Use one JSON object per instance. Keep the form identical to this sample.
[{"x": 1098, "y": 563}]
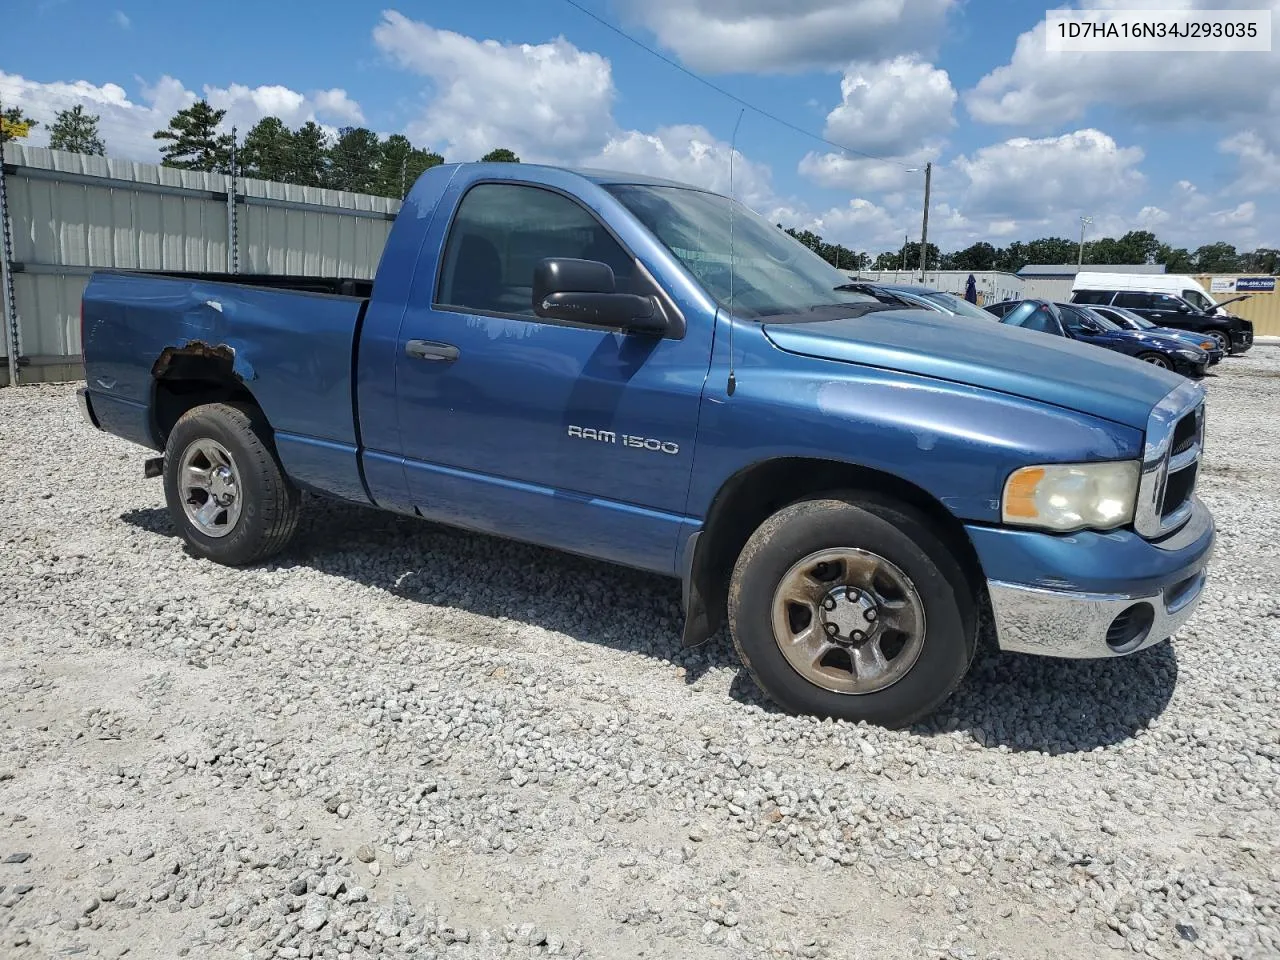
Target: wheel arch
[
  {"x": 755, "y": 492},
  {"x": 191, "y": 376}
]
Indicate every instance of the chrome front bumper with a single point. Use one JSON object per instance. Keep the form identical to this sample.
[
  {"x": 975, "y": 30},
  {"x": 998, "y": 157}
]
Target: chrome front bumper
[{"x": 1057, "y": 623}]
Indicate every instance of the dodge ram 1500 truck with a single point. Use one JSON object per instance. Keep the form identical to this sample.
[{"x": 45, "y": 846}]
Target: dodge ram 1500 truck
[{"x": 651, "y": 375}]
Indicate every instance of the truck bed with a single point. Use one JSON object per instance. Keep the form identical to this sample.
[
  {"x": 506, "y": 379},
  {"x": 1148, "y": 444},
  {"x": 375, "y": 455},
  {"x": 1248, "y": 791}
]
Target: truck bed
[{"x": 288, "y": 341}]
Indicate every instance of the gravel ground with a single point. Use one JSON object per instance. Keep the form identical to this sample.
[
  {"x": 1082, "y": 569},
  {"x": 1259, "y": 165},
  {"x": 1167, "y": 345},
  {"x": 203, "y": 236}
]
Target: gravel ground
[{"x": 401, "y": 740}]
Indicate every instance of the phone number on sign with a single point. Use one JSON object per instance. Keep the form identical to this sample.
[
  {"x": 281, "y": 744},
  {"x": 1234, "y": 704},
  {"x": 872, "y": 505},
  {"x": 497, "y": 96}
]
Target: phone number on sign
[{"x": 1117, "y": 30}]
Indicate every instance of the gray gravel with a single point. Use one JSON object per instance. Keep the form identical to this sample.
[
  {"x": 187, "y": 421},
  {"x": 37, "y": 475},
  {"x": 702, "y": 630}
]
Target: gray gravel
[{"x": 400, "y": 740}]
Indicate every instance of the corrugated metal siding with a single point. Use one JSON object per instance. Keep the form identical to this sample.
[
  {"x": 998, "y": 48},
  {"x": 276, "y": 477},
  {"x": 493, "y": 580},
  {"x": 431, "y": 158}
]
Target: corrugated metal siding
[
  {"x": 993, "y": 285},
  {"x": 1262, "y": 309},
  {"x": 64, "y": 223}
]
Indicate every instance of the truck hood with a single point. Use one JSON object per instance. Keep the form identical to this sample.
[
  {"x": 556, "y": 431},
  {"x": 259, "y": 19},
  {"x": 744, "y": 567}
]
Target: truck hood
[{"x": 1038, "y": 366}]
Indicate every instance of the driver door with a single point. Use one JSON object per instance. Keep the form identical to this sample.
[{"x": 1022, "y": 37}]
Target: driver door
[{"x": 556, "y": 433}]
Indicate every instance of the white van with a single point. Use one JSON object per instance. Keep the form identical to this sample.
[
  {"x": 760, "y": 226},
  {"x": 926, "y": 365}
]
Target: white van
[{"x": 1175, "y": 285}]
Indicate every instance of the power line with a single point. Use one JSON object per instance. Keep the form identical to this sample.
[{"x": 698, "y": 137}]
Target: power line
[{"x": 722, "y": 91}]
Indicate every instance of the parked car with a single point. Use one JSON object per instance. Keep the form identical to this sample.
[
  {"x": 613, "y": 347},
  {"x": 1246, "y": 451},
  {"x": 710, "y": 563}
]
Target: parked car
[
  {"x": 1233, "y": 334},
  {"x": 912, "y": 296},
  {"x": 1076, "y": 322},
  {"x": 1132, "y": 321},
  {"x": 576, "y": 361},
  {"x": 998, "y": 310}
]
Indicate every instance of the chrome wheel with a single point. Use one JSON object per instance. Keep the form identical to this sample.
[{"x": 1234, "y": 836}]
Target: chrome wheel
[
  {"x": 848, "y": 621},
  {"x": 1221, "y": 340},
  {"x": 209, "y": 485},
  {"x": 1157, "y": 361}
]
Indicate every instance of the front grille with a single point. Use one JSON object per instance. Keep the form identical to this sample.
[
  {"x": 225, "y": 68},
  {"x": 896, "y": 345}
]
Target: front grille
[
  {"x": 1174, "y": 443},
  {"x": 1184, "y": 434},
  {"x": 1178, "y": 490}
]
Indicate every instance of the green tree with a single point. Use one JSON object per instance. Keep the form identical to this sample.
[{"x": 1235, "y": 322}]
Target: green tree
[
  {"x": 14, "y": 124},
  {"x": 309, "y": 156},
  {"x": 76, "y": 132},
  {"x": 1262, "y": 260},
  {"x": 192, "y": 141},
  {"x": 267, "y": 152},
  {"x": 1052, "y": 250},
  {"x": 401, "y": 165},
  {"x": 501, "y": 155},
  {"x": 1175, "y": 260},
  {"x": 1217, "y": 258},
  {"x": 978, "y": 256},
  {"x": 354, "y": 160}
]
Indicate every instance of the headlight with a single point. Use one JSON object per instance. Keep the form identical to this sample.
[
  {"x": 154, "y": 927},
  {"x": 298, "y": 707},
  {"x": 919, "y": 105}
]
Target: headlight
[
  {"x": 1189, "y": 355},
  {"x": 1072, "y": 496}
]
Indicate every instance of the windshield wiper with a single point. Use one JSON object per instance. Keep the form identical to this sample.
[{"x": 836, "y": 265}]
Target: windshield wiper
[{"x": 855, "y": 287}]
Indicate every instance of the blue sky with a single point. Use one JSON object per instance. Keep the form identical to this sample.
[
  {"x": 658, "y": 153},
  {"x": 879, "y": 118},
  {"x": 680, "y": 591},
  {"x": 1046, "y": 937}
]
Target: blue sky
[{"x": 1023, "y": 142}]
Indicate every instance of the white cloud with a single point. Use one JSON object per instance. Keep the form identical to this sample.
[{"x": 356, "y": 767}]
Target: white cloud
[
  {"x": 545, "y": 101},
  {"x": 1051, "y": 179},
  {"x": 689, "y": 154},
  {"x": 245, "y": 106},
  {"x": 892, "y": 107},
  {"x": 1038, "y": 87},
  {"x": 127, "y": 125},
  {"x": 848, "y": 172},
  {"x": 1259, "y": 164},
  {"x": 862, "y": 225},
  {"x": 122, "y": 19},
  {"x": 777, "y": 35}
]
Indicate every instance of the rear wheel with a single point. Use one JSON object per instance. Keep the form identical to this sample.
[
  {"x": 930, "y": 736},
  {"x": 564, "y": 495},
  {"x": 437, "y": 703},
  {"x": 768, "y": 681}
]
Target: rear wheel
[
  {"x": 1156, "y": 360},
  {"x": 224, "y": 486},
  {"x": 851, "y": 607}
]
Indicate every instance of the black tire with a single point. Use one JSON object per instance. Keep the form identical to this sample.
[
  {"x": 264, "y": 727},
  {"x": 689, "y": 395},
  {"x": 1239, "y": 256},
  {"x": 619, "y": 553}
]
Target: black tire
[
  {"x": 1222, "y": 340},
  {"x": 269, "y": 505},
  {"x": 895, "y": 533},
  {"x": 1156, "y": 360}
]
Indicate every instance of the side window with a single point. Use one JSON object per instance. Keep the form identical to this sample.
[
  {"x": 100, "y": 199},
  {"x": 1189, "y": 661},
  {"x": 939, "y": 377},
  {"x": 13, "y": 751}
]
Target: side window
[
  {"x": 1091, "y": 296},
  {"x": 1135, "y": 301},
  {"x": 1163, "y": 301},
  {"x": 500, "y": 233}
]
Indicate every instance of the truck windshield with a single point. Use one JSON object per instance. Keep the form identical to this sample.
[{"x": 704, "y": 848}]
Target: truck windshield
[{"x": 774, "y": 274}]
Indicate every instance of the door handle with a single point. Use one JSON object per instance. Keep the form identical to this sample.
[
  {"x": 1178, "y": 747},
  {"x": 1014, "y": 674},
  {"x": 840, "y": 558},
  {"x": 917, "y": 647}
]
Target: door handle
[{"x": 431, "y": 350}]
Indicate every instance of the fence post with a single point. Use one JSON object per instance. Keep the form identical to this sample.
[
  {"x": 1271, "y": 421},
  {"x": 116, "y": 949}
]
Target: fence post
[
  {"x": 233, "y": 238},
  {"x": 6, "y": 281}
]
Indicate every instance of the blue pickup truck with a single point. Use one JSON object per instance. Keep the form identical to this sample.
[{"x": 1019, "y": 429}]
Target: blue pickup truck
[{"x": 651, "y": 375}]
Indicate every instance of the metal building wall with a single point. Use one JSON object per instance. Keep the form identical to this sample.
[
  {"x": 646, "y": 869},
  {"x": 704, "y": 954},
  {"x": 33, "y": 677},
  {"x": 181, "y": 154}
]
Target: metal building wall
[
  {"x": 70, "y": 214},
  {"x": 993, "y": 285}
]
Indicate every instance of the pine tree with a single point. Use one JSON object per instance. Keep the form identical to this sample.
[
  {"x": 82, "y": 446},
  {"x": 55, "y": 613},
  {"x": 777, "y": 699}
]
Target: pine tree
[
  {"x": 193, "y": 140},
  {"x": 401, "y": 165},
  {"x": 14, "y": 124},
  {"x": 267, "y": 152},
  {"x": 76, "y": 132},
  {"x": 354, "y": 160},
  {"x": 309, "y": 156}
]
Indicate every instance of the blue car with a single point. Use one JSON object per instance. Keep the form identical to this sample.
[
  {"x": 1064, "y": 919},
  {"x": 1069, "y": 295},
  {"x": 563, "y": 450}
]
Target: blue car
[
  {"x": 1133, "y": 321},
  {"x": 1075, "y": 322}
]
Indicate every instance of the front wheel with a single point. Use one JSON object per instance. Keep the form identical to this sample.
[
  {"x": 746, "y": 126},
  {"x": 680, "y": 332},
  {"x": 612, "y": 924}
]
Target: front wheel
[
  {"x": 1156, "y": 360},
  {"x": 226, "y": 491},
  {"x": 852, "y": 608},
  {"x": 1221, "y": 339}
]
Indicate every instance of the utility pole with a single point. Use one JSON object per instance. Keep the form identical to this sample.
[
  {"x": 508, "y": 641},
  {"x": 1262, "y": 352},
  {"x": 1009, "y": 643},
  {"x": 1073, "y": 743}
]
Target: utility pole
[
  {"x": 905, "y": 241},
  {"x": 924, "y": 228},
  {"x": 1083, "y": 222}
]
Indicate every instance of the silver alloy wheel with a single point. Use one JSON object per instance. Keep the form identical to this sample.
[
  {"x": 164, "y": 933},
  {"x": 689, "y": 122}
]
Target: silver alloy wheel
[
  {"x": 1157, "y": 361},
  {"x": 848, "y": 620},
  {"x": 1221, "y": 339},
  {"x": 209, "y": 485}
]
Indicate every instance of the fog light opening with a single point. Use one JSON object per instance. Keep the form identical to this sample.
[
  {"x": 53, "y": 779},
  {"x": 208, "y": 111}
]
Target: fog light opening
[{"x": 1130, "y": 628}]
